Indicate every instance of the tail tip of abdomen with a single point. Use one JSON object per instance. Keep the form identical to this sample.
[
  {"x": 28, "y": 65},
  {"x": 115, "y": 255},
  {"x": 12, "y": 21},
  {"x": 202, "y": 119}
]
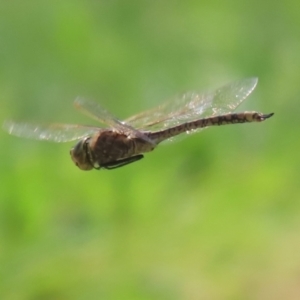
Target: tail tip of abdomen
[{"x": 266, "y": 116}]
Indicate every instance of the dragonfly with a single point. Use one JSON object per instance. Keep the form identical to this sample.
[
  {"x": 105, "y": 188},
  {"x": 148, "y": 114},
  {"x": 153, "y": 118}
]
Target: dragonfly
[{"x": 118, "y": 143}]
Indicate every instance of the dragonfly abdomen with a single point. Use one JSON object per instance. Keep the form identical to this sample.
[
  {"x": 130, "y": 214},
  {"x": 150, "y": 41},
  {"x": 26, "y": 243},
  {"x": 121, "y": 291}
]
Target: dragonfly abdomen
[
  {"x": 226, "y": 119},
  {"x": 233, "y": 118}
]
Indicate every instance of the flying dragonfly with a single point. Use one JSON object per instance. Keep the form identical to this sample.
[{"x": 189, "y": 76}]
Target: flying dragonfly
[{"x": 123, "y": 142}]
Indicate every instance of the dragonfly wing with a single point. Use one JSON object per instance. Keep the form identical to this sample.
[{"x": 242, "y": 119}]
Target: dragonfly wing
[
  {"x": 98, "y": 113},
  {"x": 53, "y": 132},
  {"x": 194, "y": 105},
  {"x": 227, "y": 98}
]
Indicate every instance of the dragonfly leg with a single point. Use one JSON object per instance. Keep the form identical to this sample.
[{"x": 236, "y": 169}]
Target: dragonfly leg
[{"x": 121, "y": 162}]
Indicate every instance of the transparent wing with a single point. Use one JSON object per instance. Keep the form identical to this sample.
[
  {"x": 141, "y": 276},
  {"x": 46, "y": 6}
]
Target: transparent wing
[
  {"x": 98, "y": 113},
  {"x": 53, "y": 132},
  {"x": 193, "y": 105}
]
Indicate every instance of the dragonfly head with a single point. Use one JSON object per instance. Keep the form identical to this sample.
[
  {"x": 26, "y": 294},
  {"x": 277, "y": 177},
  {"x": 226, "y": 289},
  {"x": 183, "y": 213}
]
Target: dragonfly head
[{"x": 80, "y": 155}]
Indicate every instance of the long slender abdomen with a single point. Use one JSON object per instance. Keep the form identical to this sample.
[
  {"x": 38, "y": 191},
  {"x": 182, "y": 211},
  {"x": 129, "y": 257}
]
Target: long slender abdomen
[{"x": 233, "y": 118}]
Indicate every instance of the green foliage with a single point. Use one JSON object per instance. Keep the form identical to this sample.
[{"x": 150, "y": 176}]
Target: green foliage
[{"x": 214, "y": 216}]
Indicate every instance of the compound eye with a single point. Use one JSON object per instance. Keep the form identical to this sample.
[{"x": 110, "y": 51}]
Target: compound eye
[{"x": 79, "y": 155}]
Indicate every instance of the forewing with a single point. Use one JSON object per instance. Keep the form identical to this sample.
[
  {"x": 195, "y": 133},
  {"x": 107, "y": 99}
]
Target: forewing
[
  {"x": 193, "y": 105},
  {"x": 98, "y": 113},
  {"x": 52, "y": 132}
]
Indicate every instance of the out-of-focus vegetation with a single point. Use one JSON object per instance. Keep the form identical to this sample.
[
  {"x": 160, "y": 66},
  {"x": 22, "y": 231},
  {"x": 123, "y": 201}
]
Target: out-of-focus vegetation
[{"x": 215, "y": 216}]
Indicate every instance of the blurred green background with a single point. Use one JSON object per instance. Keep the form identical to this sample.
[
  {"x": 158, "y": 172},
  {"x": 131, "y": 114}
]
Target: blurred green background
[{"x": 214, "y": 216}]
